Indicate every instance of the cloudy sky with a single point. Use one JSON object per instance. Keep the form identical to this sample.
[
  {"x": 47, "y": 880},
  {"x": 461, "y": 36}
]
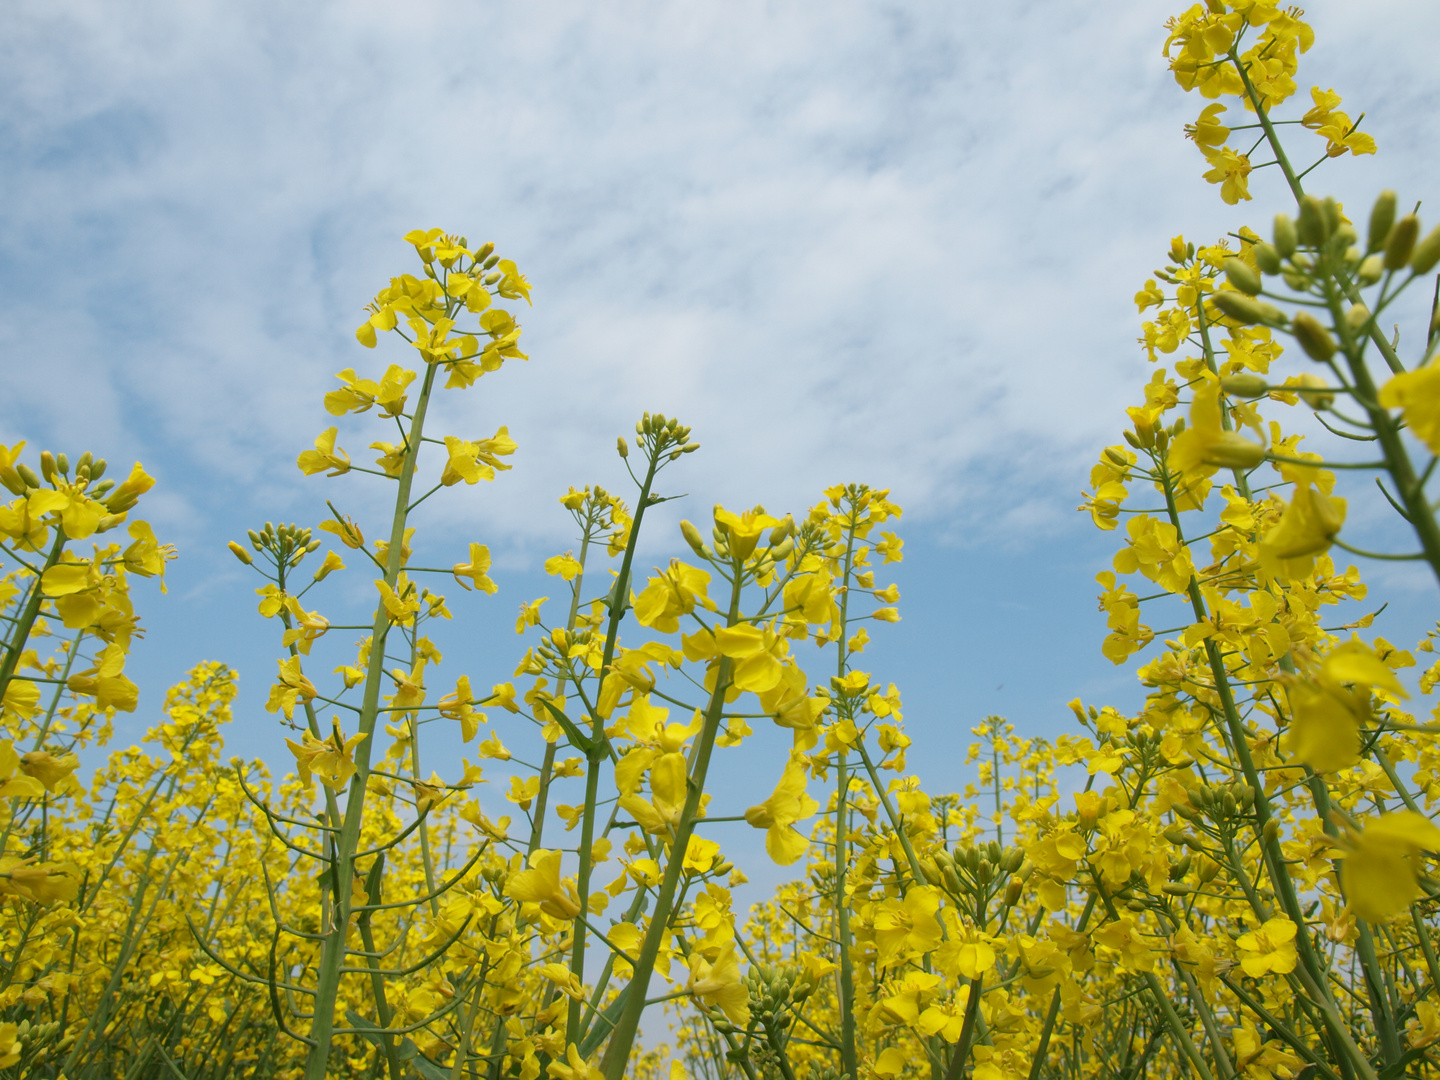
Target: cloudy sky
[{"x": 893, "y": 243}]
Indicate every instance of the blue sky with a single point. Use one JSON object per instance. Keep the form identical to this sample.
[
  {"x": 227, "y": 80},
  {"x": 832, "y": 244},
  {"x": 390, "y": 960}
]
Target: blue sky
[{"x": 852, "y": 241}]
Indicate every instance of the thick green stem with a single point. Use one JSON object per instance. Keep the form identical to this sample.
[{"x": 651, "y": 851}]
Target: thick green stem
[
  {"x": 332, "y": 955},
  {"x": 617, "y": 1051}
]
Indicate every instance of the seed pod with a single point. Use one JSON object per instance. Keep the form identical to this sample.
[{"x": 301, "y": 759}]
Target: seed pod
[
  {"x": 1312, "y": 336},
  {"x": 1242, "y": 276},
  {"x": 1427, "y": 253},
  {"x": 1284, "y": 234},
  {"x": 1401, "y": 242},
  {"x": 1382, "y": 217},
  {"x": 1245, "y": 386},
  {"x": 1313, "y": 227},
  {"x": 1267, "y": 258}
]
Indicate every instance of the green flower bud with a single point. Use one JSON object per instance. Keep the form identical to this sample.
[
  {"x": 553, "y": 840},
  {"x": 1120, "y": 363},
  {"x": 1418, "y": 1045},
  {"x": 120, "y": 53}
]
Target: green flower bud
[
  {"x": 1246, "y": 386},
  {"x": 28, "y": 475},
  {"x": 62, "y": 462},
  {"x": 1242, "y": 276},
  {"x": 1371, "y": 269},
  {"x": 1246, "y": 309},
  {"x": 1267, "y": 257},
  {"x": 97, "y": 468},
  {"x": 485, "y": 251},
  {"x": 1427, "y": 253},
  {"x": 1382, "y": 217},
  {"x": 240, "y": 553},
  {"x": 47, "y": 465},
  {"x": 1312, "y": 336},
  {"x": 621, "y": 447},
  {"x": 1401, "y": 242},
  {"x": 1284, "y": 234},
  {"x": 693, "y": 537},
  {"x": 1313, "y": 228}
]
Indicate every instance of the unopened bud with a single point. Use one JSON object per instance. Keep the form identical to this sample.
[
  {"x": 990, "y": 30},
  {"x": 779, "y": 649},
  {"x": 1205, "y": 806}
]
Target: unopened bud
[
  {"x": 1401, "y": 242},
  {"x": 62, "y": 462},
  {"x": 1271, "y": 831},
  {"x": 97, "y": 468},
  {"x": 1267, "y": 258},
  {"x": 1315, "y": 393},
  {"x": 1242, "y": 276},
  {"x": 1175, "y": 833},
  {"x": 1312, "y": 336},
  {"x": 1427, "y": 253},
  {"x": 1371, "y": 270},
  {"x": 485, "y": 251},
  {"x": 1313, "y": 227},
  {"x": 931, "y": 872},
  {"x": 621, "y": 447},
  {"x": 47, "y": 465},
  {"x": 692, "y": 537},
  {"x": 1013, "y": 888},
  {"x": 1382, "y": 217},
  {"x": 1245, "y": 386},
  {"x": 27, "y": 474},
  {"x": 1284, "y": 234},
  {"x": 240, "y": 553},
  {"x": 1246, "y": 309}
]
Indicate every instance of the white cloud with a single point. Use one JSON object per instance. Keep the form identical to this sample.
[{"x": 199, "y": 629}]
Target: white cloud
[{"x": 853, "y": 240}]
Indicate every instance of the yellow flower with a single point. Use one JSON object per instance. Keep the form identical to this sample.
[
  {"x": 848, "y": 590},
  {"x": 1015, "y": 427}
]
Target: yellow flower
[
  {"x": 541, "y": 885},
  {"x": 324, "y": 456},
  {"x": 907, "y": 927},
  {"x": 743, "y": 530},
  {"x": 1305, "y": 529},
  {"x": 475, "y": 570},
  {"x": 670, "y": 594},
  {"x": 1379, "y": 874},
  {"x": 573, "y": 1068},
  {"x": 718, "y": 985},
  {"x": 330, "y": 759},
  {"x": 1417, "y": 393},
  {"x": 476, "y": 461},
  {"x": 788, "y": 804},
  {"x": 1269, "y": 948},
  {"x": 1205, "y": 445},
  {"x": 358, "y": 395}
]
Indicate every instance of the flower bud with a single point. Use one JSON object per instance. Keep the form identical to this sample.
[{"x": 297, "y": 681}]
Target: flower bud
[
  {"x": 1174, "y": 888},
  {"x": 1382, "y": 217},
  {"x": 62, "y": 462},
  {"x": 1427, "y": 253},
  {"x": 1246, "y": 309},
  {"x": 485, "y": 251},
  {"x": 240, "y": 553},
  {"x": 1284, "y": 235},
  {"x": 491, "y": 261},
  {"x": 931, "y": 872},
  {"x": 1315, "y": 393},
  {"x": 97, "y": 468},
  {"x": 1357, "y": 317},
  {"x": 47, "y": 465},
  {"x": 27, "y": 474},
  {"x": 621, "y": 447},
  {"x": 693, "y": 537},
  {"x": 1175, "y": 833},
  {"x": 1245, "y": 386},
  {"x": 1013, "y": 888},
  {"x": 1401, "y": 242},
  {"x": 1371, "y": 269},
  {"x": 952, "y": 880},
  {"x": 1271, "y": 831},
  {"x": 1242, "y": 276},
  {"x": 1267, "y": 258},
  {"x": 1312, "y": 336},
  {"x": 1313, "y": 228}
]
